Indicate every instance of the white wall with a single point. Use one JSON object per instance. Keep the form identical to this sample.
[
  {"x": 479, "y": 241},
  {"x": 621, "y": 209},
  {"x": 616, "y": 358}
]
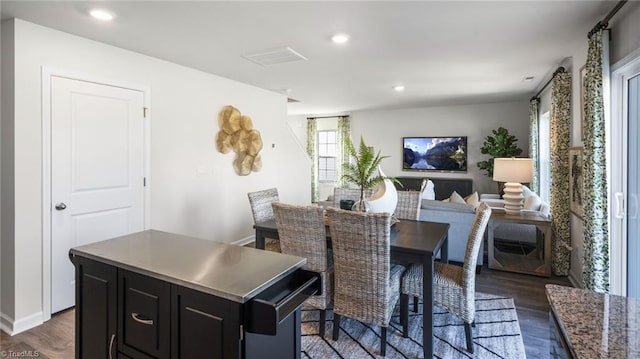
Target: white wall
[
  {"x": 384, "y": 130},
  {"x": 209, "y": 203},
  {"x": 6, "y": 181}
]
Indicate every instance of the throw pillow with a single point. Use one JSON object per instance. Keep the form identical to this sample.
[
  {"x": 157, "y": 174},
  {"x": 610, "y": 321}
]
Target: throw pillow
[
  {"x": 456, "y": 198},
  {"x": 526, "y": 192},
  {"x": 533, "y": 202},
  {"x": 429, "y": 191},
  {"x": 472, "y": 200}
]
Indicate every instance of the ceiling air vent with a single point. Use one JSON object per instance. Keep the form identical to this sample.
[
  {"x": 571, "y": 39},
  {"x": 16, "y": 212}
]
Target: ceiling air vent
[{"x": 274, "y": 56}]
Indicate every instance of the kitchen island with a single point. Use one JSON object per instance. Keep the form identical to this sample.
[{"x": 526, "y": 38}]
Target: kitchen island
[
  {"x": 155, "y": 294},
  {"x": 589, "y": 325}
]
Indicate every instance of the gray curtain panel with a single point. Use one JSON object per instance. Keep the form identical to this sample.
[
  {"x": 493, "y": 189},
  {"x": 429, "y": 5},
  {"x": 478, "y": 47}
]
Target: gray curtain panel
[
  {"x": 534, "y": 148},
  {"x": 595, "y": 274},
  {"x": 559, "y": 146},
  {"x": 311, "y": 150}
]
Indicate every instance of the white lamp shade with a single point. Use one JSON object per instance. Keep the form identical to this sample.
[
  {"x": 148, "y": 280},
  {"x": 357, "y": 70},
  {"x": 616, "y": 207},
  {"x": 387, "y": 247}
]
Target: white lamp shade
[{"x": 518, "y": 170}]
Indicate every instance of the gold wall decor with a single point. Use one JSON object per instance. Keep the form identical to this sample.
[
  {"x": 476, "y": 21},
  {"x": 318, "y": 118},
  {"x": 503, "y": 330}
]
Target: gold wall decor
[{"x": 237, "y": 134}]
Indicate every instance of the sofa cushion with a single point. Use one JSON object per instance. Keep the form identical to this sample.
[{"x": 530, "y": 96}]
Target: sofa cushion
[
  {"x": 446, "y": 206},
  {"x": 456, "y": 198},
  {"x": 533, "y": 202},
  {"x": 429, "y": 191},
  {"x": 472, "y": 200}
]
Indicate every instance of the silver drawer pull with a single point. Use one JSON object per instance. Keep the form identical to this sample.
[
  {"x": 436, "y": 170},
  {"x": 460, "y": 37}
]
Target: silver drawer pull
[{"x": 137, "y": 318}]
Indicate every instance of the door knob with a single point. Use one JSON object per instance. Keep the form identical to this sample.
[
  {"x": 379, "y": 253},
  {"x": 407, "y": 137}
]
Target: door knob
[{"x": 61, "y": 206}]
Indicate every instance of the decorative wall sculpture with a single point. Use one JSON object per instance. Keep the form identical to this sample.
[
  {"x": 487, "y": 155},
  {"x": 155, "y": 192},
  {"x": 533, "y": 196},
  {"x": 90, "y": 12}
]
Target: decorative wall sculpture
[{"x": 237, "y": 134}]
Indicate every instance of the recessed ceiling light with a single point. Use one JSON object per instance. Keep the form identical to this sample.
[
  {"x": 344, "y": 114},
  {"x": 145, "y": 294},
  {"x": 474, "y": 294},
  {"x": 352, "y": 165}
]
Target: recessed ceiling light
[
  {"x": 528, "y": 79},
  {"x": 101, "y": 14},
  {"x": 398, "y": 88},
  {"x": 340, "y": 38}
]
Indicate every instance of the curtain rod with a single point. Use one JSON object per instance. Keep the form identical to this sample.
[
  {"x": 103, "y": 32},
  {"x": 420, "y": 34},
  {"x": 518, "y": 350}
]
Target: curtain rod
[
  {"x": 557, "y": 71},
  {"x": 605, "y": 22},
  {"x": 309, "y": 118}
]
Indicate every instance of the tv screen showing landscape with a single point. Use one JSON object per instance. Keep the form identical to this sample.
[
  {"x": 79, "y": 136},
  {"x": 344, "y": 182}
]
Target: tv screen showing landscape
[{"x": 445, "y": 154}]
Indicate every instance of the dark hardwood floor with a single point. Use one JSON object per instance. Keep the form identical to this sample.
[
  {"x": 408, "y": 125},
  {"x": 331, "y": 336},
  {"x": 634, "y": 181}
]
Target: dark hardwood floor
[
  {"x": 55, "y": 338},
  {"x": 531, "y": 303}
]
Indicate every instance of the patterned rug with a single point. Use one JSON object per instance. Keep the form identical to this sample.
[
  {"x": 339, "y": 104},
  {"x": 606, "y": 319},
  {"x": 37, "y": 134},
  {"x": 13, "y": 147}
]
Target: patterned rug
[{"x": 496, "y": 335}]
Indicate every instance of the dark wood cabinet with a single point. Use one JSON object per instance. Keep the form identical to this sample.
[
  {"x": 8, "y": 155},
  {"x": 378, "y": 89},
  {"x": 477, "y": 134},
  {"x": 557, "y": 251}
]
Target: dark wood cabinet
[
  {"x": 201, "y": 320},
  {"x": 96, "y": 309},
  {"x": 144, "y": 308},
  {"x": 122, "y": 314}
]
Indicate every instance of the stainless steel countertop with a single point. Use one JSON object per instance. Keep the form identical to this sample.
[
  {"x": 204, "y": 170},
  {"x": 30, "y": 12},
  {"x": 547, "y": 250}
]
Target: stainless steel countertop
[{"x": 224, "y": 270}]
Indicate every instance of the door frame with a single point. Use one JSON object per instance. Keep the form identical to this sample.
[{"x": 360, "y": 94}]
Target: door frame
[
  {"x": 620, "y": 72},
  {"x": 46, "y": 74}
]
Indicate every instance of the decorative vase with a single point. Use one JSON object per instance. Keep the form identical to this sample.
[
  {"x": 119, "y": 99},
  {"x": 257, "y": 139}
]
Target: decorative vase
[
  {"x": 361, "y": 206},
  {"x": 385, "y": 199}
]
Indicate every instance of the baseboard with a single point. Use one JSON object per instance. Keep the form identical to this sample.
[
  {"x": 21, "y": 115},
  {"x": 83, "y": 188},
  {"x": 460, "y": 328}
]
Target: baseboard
[
  {"x": 13, "y": 327},
  {"x": 244, "y": 241}
]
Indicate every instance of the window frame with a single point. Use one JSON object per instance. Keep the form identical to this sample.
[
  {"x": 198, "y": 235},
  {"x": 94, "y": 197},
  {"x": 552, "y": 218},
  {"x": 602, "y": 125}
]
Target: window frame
[{"x": 324, "y": 158}]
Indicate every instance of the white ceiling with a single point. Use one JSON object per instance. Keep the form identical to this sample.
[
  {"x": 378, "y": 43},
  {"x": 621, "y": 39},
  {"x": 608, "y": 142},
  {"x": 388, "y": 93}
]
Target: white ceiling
[{"x": 444, "y": 52}]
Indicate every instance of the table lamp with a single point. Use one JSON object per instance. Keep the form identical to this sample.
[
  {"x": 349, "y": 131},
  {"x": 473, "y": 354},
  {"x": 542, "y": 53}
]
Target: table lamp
[{"x": 513, "y": 171}]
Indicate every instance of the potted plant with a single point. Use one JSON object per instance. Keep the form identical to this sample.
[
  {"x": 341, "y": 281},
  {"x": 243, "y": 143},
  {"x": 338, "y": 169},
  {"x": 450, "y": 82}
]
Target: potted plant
[
  {"x": 361, "y": 171},
  {"x": 501, "y": 144}
]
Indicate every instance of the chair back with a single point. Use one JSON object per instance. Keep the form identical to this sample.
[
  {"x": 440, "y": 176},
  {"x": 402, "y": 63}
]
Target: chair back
[
  {"x": 480, "y": 221},
  {"x": 302, "y": 233},
  {"x": 260, "y": 202},
  {"x": 361, "y": 259},
  {"x": 340, "y": 193},
  {"x": 408, "y": 205}
]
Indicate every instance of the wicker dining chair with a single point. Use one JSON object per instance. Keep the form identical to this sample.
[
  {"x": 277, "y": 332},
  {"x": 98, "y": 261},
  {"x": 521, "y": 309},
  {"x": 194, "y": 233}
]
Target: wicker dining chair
[
  {"x": 408, "y": 206},
  {"x": 454, "y": 287},
  {"x": 367, "y": 285},
  {"x": 303, "y": 233},
  {"x": 262, "y": 211},
  {"x": 340, "y": 193}
]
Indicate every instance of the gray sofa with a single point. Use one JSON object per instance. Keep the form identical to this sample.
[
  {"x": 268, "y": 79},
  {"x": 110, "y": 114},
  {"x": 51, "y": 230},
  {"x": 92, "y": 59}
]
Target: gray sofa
[{"x": 458, "y": 215}]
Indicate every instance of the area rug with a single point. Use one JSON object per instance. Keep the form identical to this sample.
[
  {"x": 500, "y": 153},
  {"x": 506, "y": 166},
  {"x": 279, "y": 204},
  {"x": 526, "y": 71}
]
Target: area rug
[{"x": 496, "y": 335}]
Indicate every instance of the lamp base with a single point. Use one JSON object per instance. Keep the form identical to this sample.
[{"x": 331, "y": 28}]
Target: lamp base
[{"x": 513, "y": 198}]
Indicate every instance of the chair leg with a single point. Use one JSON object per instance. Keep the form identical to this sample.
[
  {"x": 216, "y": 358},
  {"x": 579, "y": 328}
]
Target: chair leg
[
  {"x": 467, "y": 331},
  {"x": 415, "y": 304},
  {"x": 383, "y": 341},
  {"x": 323, "y": 319},
  {"x": 404, "y": 314},
  {"x": 336, "y": 326}
]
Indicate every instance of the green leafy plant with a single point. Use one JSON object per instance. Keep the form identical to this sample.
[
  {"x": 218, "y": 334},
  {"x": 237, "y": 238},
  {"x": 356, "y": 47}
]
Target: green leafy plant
[
  {"x": 361, "y": 171},
  {"x": 501, "y": 144}
]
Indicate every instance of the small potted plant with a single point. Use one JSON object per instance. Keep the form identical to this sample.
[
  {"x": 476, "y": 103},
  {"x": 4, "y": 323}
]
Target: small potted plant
[{"x": 361, "y": 171}]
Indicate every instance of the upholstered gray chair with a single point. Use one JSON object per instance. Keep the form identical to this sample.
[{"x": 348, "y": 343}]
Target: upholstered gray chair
[
  {"x": 367, "y": 286},
  {"x": 454, "y": 287},
  {"x": 302, "y": 233},
  {"x": 408, "y": 206},
  {"x": 261, "y": 209},
  {"x": 340, "y": 193}
]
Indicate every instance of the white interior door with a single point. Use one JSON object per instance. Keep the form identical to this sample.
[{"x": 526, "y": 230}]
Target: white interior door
[{"x": 97, "y": 169}]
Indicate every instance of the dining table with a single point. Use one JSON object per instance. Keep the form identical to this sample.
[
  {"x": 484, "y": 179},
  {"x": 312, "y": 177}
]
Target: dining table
[{"x": 410, "y": 242}]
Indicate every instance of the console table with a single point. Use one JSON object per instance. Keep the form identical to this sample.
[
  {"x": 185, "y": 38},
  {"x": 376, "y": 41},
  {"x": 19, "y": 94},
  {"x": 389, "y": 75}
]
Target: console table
[{"x": 529, "y": 264}]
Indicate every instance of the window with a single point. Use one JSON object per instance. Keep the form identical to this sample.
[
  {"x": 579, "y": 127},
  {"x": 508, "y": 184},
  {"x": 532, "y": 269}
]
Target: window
[
  {"x": 327, "y": 158},
  {"x": 544, "y": 142}
]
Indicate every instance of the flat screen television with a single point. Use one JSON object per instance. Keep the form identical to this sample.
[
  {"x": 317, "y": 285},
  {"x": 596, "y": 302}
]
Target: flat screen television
[{"x": 441, "y": 154}]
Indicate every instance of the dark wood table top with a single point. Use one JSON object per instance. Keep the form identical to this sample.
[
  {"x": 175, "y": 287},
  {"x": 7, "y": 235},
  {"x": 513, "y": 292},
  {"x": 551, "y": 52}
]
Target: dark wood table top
[{"x": 419, "y": 237}]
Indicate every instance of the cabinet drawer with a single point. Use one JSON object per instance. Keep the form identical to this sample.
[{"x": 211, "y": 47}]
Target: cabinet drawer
[
  {"x": 273, "y": 305},
  {"x": 144, "y": 313}
]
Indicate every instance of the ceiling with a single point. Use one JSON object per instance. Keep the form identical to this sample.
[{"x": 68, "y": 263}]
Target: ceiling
[{"x": 443, "y": 52}]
